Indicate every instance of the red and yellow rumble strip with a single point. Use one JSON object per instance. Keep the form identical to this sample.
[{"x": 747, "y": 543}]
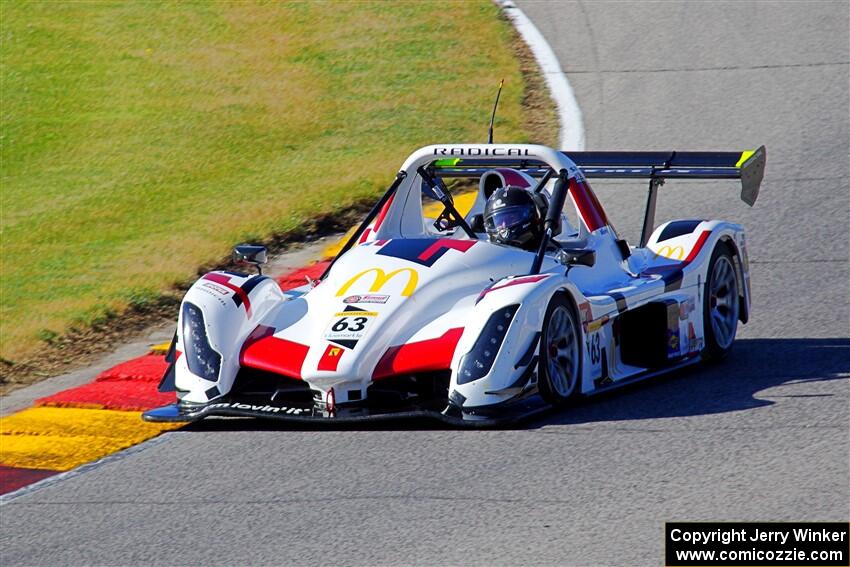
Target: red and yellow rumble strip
[
  {"x": 83, "y": 424},
  {"x": 59, "y": 439}
]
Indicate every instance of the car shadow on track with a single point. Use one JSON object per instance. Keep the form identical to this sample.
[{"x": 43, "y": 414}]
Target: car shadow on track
[{"x": 730, "y": 385}]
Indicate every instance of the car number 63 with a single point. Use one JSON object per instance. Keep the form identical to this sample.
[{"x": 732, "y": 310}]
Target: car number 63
[
  {"x": 349, "y": 325},
  {"x": 352, "y": 324}
]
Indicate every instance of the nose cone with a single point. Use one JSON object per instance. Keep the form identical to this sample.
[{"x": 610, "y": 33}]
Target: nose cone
[{"x": 379, "y": 295}]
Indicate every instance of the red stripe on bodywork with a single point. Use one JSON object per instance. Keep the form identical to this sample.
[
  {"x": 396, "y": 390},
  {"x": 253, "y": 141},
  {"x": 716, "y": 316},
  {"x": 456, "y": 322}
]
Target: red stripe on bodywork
[
  {"x": 382, "y": 215},
  {"x": 272, "y": 354},
  {"x": 697, "y": 247},
  {"x": 513, "y": 282},
  {"x": 377, "y": 224},
  {"x": 421, "y": 356},
  {"x": 13, "y": 478},
  {"x": 446, "y": 243},
  {"x": 588, "y": 205},
  {"x": 297, "y": 278},
  {"x": 225, "y": 281},
  {"x": 259, "y": 332},
  {"x": 586, "y": 313}
]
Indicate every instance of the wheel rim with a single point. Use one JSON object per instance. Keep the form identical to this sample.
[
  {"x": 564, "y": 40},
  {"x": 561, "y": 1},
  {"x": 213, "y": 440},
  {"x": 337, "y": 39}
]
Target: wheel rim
[
  {"x": 723, "y": 302},
  {"x": 562, "y": 345}
]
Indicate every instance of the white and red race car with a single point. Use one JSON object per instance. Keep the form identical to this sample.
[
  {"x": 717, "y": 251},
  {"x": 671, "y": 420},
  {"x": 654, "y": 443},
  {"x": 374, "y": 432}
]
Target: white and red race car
[{"x": 417, "y": 316}]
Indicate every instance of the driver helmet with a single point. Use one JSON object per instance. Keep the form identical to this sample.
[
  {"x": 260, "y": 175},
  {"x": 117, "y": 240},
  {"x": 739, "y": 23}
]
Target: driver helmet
[{"x": 514, "y": 216}]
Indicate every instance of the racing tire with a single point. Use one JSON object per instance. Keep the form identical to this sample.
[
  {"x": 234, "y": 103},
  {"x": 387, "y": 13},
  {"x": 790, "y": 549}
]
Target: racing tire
[
  {"x": 720, "y": 304},
  {"x": 559, "y": 366}
]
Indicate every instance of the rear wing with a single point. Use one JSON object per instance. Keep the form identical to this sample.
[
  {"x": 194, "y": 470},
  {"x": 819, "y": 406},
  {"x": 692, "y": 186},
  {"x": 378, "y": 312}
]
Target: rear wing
[{"x": 748, "y": 166}]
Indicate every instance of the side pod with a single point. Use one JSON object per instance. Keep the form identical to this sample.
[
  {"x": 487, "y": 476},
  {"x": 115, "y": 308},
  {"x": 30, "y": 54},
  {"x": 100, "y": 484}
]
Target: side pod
[{"x": 218, "y": 313}]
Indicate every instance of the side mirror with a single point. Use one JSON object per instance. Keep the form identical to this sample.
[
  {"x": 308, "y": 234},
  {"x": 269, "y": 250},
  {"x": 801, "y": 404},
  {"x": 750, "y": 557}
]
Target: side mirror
[
  {"x": 577, "y": 257},
  {"x": 251, "y": 254}
]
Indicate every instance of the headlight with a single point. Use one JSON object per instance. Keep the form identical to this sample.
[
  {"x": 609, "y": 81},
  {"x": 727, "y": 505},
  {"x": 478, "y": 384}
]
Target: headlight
[
  {"x": 477, "y": 362},
  {"x": 201, "y": 358}
]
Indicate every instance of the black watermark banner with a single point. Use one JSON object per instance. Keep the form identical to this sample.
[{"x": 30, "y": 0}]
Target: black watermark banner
[{"x": 757, "y": 544}]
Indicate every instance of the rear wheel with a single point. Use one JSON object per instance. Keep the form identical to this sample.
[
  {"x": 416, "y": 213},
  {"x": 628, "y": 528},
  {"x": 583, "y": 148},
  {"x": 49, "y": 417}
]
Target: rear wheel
[
  {"x": 559, "y": 366},
  {"x": 720, "y": 304}
]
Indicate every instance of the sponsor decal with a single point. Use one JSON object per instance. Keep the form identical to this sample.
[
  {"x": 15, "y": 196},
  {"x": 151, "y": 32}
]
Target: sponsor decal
[
  {"x": 592, "y": 326},
  {"x": 240, "y": 291},
  {"x": 358, "y": 313},
  {"x": 671, "y": 252},
  {"x": 593, "y": 352},
  {"x": 587, "y": 321},
  {"x": 686, "y": 308},
  {"x": 373, "y": 298},
  {"x": 694, "y": 344},
  {"x": 381, "y": 279},
  {"x": 214, "y": 294},
  {"x": 330, "y": 358},
  {"x": 477, "y": 152},
  {"x": 216, "y": 288},
  {"x": 349, "y": 326},
  {"x": 672, "y": 343},
  {"x": 604, "y": 378},
  {"x": 259, "y": 408}
]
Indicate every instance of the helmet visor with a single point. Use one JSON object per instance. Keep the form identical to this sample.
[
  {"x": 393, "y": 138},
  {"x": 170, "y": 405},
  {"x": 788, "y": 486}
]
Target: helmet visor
[{"x": 508, "y": 217}]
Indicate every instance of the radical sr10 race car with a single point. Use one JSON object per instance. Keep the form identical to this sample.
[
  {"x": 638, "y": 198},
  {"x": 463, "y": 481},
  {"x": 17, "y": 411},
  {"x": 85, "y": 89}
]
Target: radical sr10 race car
[{"x": 420, "y": 316}]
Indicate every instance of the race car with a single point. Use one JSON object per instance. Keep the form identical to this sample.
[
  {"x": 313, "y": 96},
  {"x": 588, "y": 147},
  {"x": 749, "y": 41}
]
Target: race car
[{"x": 438, "y": 317}]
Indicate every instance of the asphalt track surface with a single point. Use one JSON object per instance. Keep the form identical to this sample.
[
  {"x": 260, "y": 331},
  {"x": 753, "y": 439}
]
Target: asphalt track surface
[{"x": 763, "y": 436}]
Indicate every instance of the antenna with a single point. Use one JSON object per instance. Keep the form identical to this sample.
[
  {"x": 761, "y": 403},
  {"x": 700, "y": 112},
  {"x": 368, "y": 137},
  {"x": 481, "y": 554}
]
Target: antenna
[{"x": 493, "y": 117}]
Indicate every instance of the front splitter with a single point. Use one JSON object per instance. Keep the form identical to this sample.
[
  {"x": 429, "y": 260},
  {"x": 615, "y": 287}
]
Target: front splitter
[{"x": 228, "y": 407}]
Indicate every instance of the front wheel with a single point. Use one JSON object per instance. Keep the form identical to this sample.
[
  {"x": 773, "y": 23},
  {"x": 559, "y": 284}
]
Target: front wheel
[
  {"x": 559, "y": 368},
  {"x": 720, "y": 304}
]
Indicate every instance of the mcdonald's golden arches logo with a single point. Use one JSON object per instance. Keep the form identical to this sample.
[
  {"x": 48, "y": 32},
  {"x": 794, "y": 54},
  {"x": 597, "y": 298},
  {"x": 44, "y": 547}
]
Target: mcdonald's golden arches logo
[
  {"x": 381, "y": 279},
  {"x": 672, "y": 252}
]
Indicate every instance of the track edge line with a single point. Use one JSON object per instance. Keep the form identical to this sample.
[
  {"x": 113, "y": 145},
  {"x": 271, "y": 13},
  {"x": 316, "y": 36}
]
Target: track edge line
[{"x": 569, "y": 114}]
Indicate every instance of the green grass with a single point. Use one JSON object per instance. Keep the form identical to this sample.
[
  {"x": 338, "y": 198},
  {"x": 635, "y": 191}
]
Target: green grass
[{"x": 141, "y": 140}]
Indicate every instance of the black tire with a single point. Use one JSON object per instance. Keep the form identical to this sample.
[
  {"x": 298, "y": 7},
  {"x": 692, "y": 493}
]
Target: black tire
[
  {"x": 560, "y": 351},
  {"x": 720, "y": 304}
]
